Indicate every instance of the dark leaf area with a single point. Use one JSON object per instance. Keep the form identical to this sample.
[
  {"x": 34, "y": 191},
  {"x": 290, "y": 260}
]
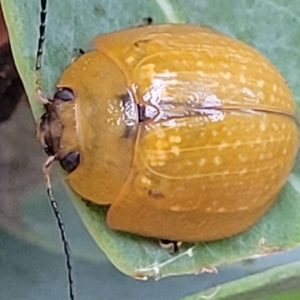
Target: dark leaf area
[{"x": 11, "y": 87}]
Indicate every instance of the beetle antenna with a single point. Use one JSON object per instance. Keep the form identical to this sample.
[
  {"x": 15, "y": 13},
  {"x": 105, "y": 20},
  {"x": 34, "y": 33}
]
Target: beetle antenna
[
  {"x": 51, "y": 159},
  {"x": 60, "y": 224},
  {"x": 41, "y": 40}
]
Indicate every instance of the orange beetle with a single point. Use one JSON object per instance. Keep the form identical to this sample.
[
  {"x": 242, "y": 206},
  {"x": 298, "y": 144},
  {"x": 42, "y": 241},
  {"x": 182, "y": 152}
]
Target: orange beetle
[{"x": 187, "y": 134}]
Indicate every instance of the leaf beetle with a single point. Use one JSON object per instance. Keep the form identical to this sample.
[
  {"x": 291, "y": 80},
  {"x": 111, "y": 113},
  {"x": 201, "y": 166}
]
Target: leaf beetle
[{"x": 187, "y": 134}]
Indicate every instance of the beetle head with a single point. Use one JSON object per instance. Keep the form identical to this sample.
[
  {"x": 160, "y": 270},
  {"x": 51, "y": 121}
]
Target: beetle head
[{"x": 50, "y": 129}]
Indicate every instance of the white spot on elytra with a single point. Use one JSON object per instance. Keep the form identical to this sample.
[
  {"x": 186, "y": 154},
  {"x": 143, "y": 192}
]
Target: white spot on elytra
[
  {"x": 222, "y": 146},
  {"x": 237, "y": 144},
  {"x": 160, "y": 134},
  {"x": 260, "y": 83},
  {"x": 243, "y": 208},
  {"x": 201, "y": 73},
  {"x": 226, "y": 75},
  {"x": 247, "y": 92},
  {"x": 145, "y": 180},
  {"x": 202, "y": 162},
  {"x": 159, "y": 144},
  {"x": 243, "y": 171},
  {"x": 217, "y": 160},
  {"x": 175, "y": 139},
  {"x": 189, "y": 163},
  {"x": 175, "y": 150},
  {"x": 243, "y": 79},
  {"x": 262, "y": 126},
  {"x": 214, "y": 133},
  {"x": 221, "y": 209},
  {"x": 157, "y": 163},
  {"x": 225, "y": 173},
  {"x": 260, "y": 95},
  {"x": 175, "y": 208}
]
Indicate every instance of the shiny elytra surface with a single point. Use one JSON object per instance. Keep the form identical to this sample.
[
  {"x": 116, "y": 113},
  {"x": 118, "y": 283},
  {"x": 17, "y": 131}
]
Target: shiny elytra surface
[{"x": 217, "y": 143}]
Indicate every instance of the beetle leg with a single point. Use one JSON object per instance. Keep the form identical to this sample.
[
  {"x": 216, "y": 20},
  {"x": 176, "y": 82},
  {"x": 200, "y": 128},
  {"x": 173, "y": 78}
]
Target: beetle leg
[
  {"x": 41, "y": 97},
  {"x": 172, "y": 246},
  {"x": 77, "y": 53},
  {"x": 87, "y": 202},
  {"x": 146, "y": 22},
  {"x": 46, "y": 171}
]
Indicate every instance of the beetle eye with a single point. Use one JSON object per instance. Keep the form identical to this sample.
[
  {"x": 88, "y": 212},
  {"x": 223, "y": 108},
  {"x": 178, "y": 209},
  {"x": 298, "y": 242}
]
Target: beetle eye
[
  {"x": 64, "y": 94},
  {"x": 70, "y": 161}
]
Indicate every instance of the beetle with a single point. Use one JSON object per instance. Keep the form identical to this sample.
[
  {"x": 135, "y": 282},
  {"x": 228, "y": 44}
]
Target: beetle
[{"x": 188, "y": 135}]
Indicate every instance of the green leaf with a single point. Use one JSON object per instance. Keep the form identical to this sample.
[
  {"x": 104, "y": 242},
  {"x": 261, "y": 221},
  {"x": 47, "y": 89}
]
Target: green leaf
[
  {"x": 275, "y": 284},
  {"x": 272, "y": 27}
]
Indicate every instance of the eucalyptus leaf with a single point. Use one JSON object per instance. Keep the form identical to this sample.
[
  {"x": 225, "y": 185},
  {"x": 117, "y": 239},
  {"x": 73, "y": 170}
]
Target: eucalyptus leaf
[
  {"x": 275, "y": 284},
  {"x": 271, "y": 27}
]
